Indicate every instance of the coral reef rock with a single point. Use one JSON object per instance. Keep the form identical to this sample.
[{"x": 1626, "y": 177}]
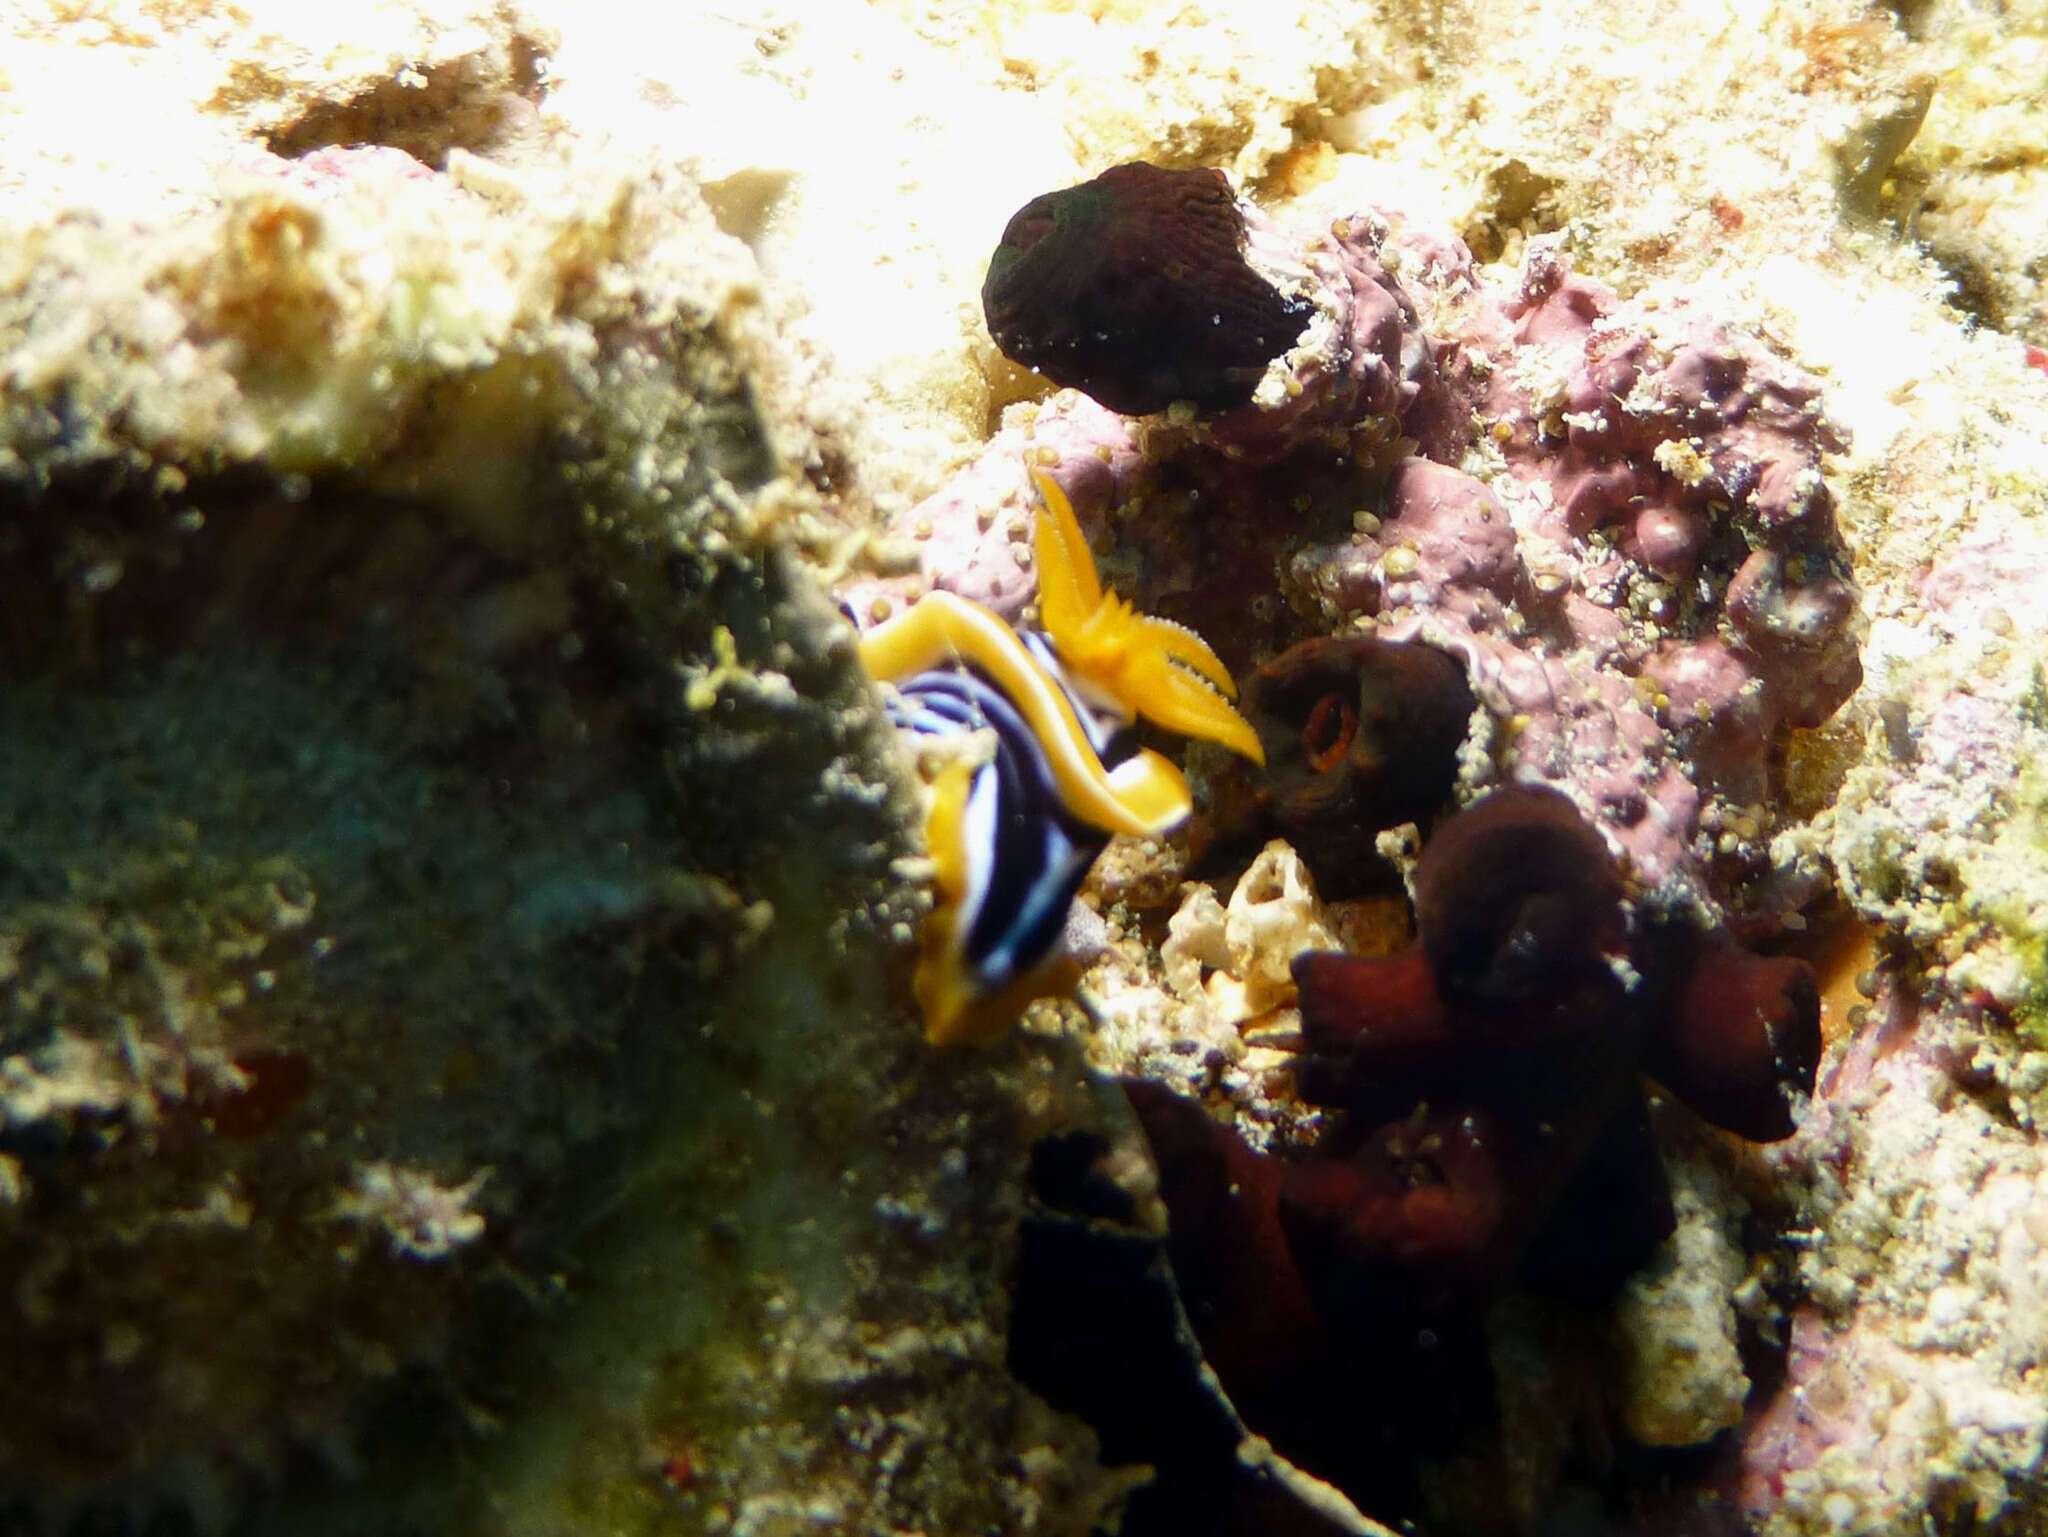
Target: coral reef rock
[
  {"x": 458, "y": 898},
  {"x": 452, "y": 972}
]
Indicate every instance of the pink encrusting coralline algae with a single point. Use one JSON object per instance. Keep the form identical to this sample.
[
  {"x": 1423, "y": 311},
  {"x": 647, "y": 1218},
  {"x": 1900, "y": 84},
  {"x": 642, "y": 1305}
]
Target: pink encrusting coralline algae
[
  {"x": 1613, "y": 511},
  {"x": 1647, "y": 582}
]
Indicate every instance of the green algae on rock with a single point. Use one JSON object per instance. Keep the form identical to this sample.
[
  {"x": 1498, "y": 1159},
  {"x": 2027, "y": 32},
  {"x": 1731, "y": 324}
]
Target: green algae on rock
[
  {"x": 452, "y": 965},
  {"x": 327, "y": 971}
]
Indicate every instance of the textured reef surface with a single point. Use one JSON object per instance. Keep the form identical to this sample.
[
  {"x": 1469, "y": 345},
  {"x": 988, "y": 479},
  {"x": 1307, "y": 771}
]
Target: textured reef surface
[
  {"x": 463, "y": 898},
  {"x": 1614, "y": 625},
  {"x": 451, "y": 949}
]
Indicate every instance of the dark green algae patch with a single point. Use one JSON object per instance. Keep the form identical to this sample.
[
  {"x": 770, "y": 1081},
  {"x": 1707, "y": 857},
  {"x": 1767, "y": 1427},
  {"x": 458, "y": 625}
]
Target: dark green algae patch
[
  {"x": 342, "y": 931},
  {"x": 454, "y": 1069}
]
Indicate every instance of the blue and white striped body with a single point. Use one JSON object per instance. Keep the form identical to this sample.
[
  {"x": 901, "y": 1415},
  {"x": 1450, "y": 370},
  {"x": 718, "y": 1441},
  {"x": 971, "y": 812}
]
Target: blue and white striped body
[
  {"x": 1024, "y": 852},
  {"x": 1012, "y": 836}
]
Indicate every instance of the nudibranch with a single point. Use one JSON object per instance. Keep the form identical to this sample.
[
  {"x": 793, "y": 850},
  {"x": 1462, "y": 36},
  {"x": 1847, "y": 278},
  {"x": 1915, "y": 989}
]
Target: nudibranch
[{"x": 1014, "y": 827}]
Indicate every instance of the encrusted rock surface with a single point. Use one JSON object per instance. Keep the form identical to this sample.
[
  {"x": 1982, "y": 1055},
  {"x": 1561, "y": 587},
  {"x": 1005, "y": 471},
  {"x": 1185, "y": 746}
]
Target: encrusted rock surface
[
  {"x": 1973, "y": 183},
  {"x": 1615, "y": 514},
  {"x": 452, "y": 954},
  {"x": 210, "y": 304}
]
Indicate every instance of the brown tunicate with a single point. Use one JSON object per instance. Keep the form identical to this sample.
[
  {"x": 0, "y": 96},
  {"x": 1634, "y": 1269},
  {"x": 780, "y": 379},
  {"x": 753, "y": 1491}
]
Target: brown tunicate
[
  {"x": 1517, "y": 901},
  {"x": 1360, "y": 735},
  {"x": 1134, "y": 288}
]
